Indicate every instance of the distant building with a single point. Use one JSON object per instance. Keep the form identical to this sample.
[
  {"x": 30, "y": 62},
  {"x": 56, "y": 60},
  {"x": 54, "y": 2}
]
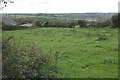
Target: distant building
[
  {"x": 27, "y": 25},
  {"x": 8, "y": 21}
]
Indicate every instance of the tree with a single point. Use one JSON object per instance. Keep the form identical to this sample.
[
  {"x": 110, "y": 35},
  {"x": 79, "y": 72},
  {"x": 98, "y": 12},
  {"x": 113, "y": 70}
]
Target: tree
[
  {"x": 116, "y": 20},
  {"x": 73, "y": 24},
  {"x": 105, "y": 23},
  {"x": 82, "y": 23},
  {"x": 38, "y": 24},
  {"x": 46, "y": 24},
  {"x": 3, "y": 3}
]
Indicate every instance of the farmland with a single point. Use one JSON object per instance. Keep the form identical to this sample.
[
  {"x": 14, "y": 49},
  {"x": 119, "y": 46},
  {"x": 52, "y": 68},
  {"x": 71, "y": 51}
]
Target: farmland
[{"x": 81, "y": 52}]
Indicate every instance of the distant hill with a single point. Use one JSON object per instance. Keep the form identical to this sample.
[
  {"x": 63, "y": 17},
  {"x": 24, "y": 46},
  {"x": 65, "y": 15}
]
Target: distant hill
[
  {"x": 92, "y": 15},
  {"x": 70, "y": 16},
  {"x": 81, "y": 15}
]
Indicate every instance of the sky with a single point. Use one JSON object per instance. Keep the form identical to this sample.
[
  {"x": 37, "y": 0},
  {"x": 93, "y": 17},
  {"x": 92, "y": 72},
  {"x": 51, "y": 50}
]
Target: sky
[{"x": 61, "y": 6}]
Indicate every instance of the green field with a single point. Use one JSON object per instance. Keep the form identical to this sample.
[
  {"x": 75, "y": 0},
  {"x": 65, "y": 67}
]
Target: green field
[{"x": 81, "y": 52}]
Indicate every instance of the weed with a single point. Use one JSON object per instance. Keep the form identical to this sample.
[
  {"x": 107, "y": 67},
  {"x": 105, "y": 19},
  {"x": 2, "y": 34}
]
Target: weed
[{"x": 101, "y": 39}]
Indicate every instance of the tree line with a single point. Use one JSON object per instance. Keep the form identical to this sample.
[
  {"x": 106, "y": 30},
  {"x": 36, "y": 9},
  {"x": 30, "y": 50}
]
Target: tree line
[{"x": 114, "y": 22}]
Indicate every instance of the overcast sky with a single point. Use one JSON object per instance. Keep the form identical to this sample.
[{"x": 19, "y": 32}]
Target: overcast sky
[{"x": 61, "y": 6}]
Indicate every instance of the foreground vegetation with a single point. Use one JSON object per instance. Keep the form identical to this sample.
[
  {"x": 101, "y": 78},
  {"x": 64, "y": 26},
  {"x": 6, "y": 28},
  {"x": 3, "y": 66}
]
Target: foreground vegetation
[
  {"x": 76, "y": 52},
  {"x": 25, "y": 61}
]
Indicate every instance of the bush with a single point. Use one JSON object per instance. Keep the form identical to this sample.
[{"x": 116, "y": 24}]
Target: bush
[
  {"x": 38, "y": 24},
  {"x": 25, "y": 61},
  {"x": 82, "y": 23},
  {"x": 12, "y": 27},
  {"x": 116, "y": 20},
  {"x": 106, "y": 23}
]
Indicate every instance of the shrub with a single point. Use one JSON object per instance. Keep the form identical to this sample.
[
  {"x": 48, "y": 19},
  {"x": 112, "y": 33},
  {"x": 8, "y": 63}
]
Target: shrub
[
  {"x": 82, "y": 23},
  {"x": 12, "y": 27},
  {"x": 105, "y": 23},
  {"x": 25, "y": 61},
  {"x": 38, "y": 24},
  {"x": 116, "y": 20}
]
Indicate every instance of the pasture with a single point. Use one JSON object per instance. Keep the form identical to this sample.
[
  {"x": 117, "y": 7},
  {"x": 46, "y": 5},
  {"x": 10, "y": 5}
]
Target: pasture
[{"x": 80, "y": 52}]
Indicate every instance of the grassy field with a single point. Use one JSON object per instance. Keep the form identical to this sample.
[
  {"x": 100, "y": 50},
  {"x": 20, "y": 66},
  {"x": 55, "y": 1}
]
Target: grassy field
[{"x": 81, "y": 52}]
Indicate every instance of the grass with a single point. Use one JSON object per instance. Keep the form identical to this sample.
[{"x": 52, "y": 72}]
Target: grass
[{"x": 80, "y": 52}]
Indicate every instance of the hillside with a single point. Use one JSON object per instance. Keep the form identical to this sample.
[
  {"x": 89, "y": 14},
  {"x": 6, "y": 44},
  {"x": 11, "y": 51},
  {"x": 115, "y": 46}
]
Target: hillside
[{"x": 75, "y": 16}]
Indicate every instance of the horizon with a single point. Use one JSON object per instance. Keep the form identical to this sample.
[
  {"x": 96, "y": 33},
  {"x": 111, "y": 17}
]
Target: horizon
[{"x": 68, "y": 13}]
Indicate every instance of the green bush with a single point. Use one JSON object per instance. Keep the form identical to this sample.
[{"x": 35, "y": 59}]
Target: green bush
[
  {"x": 82, "y": 23},
  {"x": 38, "y": 24},
  {"x": 116, "y": 20},
  {"x": 106, "y": 23},
  {"x": 26, "y": 61}
]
